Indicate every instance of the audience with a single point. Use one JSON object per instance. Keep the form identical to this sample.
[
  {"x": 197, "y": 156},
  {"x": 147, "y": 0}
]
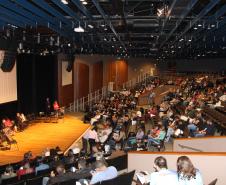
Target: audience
[{"x": 117, "y": 124}]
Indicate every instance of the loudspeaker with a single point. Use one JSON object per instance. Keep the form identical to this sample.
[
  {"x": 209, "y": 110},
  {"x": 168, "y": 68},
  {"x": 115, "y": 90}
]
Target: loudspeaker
[
  {"x": 9, "y": 46},
  {"x": 8, "y": 61},
  {"x": 70, "y": 63}
]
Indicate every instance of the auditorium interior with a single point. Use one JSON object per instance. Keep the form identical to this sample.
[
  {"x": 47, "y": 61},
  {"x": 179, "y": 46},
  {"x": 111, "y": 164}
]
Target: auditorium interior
[{"x": 112, "y": 92}]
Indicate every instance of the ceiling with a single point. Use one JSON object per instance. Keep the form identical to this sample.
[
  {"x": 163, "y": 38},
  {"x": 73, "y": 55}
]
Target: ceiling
[{"x": 127, "y": 28}]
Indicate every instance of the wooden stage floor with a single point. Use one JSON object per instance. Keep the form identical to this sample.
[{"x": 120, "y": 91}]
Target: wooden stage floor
[{"x": 39, "y": 136}]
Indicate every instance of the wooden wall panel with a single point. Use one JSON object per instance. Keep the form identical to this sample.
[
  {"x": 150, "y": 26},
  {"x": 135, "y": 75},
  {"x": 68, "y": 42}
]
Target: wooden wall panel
[
  {"x": 67, "y": 95},
  {"x": 83, "y": 80},
  {"x": 97, "y": 76},
  {"x": 111, "y": 71},
  {"x": 122, "y": 72}
]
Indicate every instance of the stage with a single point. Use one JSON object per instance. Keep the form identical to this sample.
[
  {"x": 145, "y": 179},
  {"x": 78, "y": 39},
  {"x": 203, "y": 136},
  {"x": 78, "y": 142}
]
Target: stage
[{"x": 39, "y": 136}]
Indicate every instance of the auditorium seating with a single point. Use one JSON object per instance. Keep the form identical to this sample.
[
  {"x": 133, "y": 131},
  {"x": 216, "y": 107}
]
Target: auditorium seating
[{"x": 126, "y": 178}]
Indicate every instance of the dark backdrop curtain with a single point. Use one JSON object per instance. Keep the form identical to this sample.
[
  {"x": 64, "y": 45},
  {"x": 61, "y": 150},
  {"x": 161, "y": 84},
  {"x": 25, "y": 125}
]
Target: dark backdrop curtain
[{"x": 37, "y": 80}]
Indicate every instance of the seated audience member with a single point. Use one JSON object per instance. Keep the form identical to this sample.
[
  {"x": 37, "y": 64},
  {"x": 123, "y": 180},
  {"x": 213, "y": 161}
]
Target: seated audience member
[
  {"x": 208, "y": 130},
  {"x": 40, "y": 165},
  {"x": 162, "y": 175},
  {"x": 159, "y": 137},
  {"x": 70, "y": 158},
  {"x": 9, "y": 173},
  {"x": 102, "y": 172},
  {"x": 140, "y": 134},
  {"x": 25, "y": 169},
  {"x": 187, "y": 173},
  {"x": 27, "y": 158}
]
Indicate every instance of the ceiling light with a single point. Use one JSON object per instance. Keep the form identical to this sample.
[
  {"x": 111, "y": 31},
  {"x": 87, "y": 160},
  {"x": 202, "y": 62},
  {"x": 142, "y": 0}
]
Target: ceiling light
[
  {"x": 79, "y": 29},
  {"x": 84, "y": 2},
  {"x": 213, "y": 25},
  {"x": 199, "y": 25},
  {"x": 195, "y": 28},
  {"x": 64, "y": 1},
  {"x": 90, "y": 26}
]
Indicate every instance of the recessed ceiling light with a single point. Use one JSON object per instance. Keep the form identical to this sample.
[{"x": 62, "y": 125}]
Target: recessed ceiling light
[{"x": 64, "y": 1}]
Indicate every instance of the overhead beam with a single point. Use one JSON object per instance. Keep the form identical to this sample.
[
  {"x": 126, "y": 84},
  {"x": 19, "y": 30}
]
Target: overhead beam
[
  {"x": 82, "y": 8},
  {"x": 52, "y": 11},
  {"x": 106, "y": 19},
  {"x": 16, "y": 16},
  {"x": 185, "y": 13},
  {"x": 52, "y": 23},
  {"x": 67, "y": 10},
  {"x": 204, "y": 11}
]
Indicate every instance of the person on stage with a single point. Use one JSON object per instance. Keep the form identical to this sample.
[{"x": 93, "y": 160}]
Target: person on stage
[
  {"x": 56, "y": 108},
  {"x": 48, "y": 107}
]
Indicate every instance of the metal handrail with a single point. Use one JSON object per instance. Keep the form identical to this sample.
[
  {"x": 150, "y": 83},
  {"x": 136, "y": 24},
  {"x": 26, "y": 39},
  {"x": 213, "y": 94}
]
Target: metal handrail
[{"x": 80, "y": 104}]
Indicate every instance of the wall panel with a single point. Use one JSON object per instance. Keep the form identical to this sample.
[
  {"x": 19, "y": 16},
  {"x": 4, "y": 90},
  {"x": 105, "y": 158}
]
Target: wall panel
[
  {"x": 97, "y": 79},
  {"x": 83, "y": 80}
]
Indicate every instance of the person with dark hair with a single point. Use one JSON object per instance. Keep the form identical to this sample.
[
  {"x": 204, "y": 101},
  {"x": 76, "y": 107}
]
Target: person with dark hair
[
  {"x": 187, "y": 173},
  {"x": 162, "y": 175},
  {"x": 102, "y": 172}
]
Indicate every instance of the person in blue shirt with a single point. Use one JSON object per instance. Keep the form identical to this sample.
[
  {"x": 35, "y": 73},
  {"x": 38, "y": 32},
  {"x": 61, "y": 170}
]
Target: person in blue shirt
[
  {"x": 187, "y": 173},
  {"x": 102, "y": 172},
  {"x": 40, "y": 165}
]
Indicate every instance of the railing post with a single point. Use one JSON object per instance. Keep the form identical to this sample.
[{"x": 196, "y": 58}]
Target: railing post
[
  {"x": 74, "y": 106},
  {"x": 83, "y": 103},
  {"x": 95, "y": 95},
  {"x": 77, "y": 102}
]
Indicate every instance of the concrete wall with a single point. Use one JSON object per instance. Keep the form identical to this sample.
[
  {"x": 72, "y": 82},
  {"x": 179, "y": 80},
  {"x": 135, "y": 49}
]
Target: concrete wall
[
  {"x": 205, "y": 144},
  {"x": 211, "y": 165}
]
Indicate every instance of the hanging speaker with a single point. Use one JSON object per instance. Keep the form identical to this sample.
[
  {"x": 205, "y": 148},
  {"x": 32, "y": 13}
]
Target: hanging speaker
[
  {"x": 8, "y": 61},
  {"x": 70, "y": 63},
  {"x": 9, "y": 56}
]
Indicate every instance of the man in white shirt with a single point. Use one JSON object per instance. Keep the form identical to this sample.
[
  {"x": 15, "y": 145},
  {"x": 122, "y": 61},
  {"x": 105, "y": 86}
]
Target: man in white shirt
[{"x": 162, "y": 176}]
